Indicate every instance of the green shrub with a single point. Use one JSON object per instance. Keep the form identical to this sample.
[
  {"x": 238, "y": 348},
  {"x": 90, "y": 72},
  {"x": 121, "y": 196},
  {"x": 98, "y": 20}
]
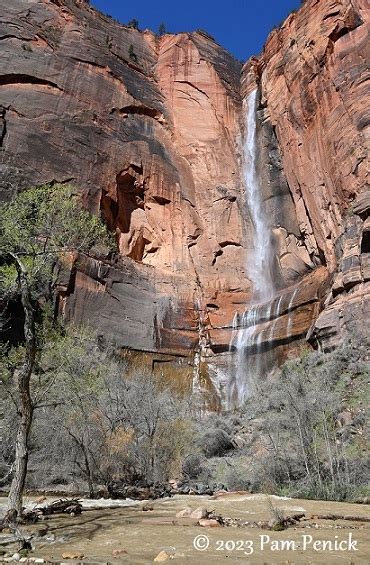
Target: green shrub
[
  {"x": 237, "y": 478},
  {"x": 192, "y": 466},
  {"x": 134, "y": 24},
  {"x": 132, "y": 54}
]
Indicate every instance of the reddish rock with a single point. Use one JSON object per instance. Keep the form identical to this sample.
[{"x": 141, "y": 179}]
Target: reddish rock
[
  {"x": 185, "y": 513},
  {"x": 209, "y": 523},
  {"x": 148, "y": 129},
  {"x": 312, "y": 71},
  {"x": 312, "y": 95},
  {"x": 118, "y": 552},
  {"x": 199, "y": 513}
]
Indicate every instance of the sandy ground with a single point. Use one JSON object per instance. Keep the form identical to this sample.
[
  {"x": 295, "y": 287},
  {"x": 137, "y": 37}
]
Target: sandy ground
[{"x": 133, "y": 536}]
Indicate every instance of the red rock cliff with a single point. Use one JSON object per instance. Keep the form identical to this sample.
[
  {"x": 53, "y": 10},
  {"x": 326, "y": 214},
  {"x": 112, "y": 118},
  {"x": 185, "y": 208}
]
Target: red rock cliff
[
  {"x": 313, "y": 77},
  {"x": 149, "y": 130}
]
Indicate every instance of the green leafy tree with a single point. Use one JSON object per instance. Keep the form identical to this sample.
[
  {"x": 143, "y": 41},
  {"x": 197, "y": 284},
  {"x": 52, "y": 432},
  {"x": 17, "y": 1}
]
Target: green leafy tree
[{"x": 37, "y": 227}]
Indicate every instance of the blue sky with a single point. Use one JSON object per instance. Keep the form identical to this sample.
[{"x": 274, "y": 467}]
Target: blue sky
[{"x": 241, "y": 26}]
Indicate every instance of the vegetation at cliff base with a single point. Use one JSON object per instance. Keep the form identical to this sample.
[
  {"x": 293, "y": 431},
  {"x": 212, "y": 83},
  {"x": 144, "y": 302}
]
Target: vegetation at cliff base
[
  {"x": 38, "y": 228},
  {"x": 315, "y": 424},
  {"x": 103, "y": 426},
  {"x": 94, "y": 421},
  {"x": 302, "y": 433}
]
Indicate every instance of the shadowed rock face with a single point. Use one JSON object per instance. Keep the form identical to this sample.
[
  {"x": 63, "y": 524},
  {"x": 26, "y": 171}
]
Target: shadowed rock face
[
  {"x": 149, "y": 130},
  {"x": 313, "y": 74},
  {"x": 347, "y": 306},
  {"x": 313, "y": 82}
]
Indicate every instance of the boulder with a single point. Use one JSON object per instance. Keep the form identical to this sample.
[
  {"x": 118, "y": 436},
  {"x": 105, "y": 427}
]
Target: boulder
[
  {"x": 361, "y": 205},
  {"x": 199, "y": 513},
  {"x": 209, "y": 523},
  {"x": 185, "y": 513}
]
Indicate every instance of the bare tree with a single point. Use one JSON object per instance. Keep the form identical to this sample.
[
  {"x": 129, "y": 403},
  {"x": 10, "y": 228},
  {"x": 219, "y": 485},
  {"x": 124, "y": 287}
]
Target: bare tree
[{"x": 305, "y": 448}]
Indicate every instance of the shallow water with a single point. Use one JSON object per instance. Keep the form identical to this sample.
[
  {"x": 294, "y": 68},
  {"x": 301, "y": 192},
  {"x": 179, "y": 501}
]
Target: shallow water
[{"x": 141, "y": 535}]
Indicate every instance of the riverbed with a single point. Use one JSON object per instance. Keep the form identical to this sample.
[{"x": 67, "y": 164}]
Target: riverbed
[{"x": 136, "y": 533}]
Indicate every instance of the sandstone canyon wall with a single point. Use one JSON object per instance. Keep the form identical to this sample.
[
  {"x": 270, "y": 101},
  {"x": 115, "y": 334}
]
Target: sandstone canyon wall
[
  {"x": 149, "y": 129},
  {"x": 313, "y": 76}
]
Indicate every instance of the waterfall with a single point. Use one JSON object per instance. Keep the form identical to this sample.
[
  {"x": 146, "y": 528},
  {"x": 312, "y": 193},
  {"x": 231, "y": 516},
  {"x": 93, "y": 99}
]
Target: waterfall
[
  {"x": 260, "y": 260},
  {"x": 245, "y": 331},
  {"x": 255, "y": 328}
]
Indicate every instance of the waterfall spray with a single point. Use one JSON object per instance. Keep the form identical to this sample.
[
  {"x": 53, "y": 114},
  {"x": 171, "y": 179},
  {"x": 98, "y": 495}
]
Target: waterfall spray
[{"x": 259, "y": 261}]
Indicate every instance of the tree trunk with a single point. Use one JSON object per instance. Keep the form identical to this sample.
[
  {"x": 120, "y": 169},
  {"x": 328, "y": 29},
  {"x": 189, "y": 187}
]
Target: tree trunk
[
  {"x": 89, "y": 475},
  {"x": 88, "y": 471},
  {"x": 25, "y": 407}
]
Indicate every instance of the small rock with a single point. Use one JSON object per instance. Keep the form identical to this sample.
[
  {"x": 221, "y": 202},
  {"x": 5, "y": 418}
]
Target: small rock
[
  {"x": 220, "y": 487},
  {"x": 16, "y": 557},
  {"x": 162, "y": 556},
  {"x": 117, "y": 552},
  {"x": 199, "y": 513},
  {"x": 205, "y": 490},
  {"x": 72, "y": 555},
  {"x": 238, "y": 442},
  {"x": 205, "y": 523},
  {"x": 185, "y": 513},
  {"x": 147, "y": 508},
  {"x": 184, "y": 490}
]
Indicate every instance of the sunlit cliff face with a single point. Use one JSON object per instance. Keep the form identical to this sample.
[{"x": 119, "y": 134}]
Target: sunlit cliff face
[{"x": 220, "y": 198}]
